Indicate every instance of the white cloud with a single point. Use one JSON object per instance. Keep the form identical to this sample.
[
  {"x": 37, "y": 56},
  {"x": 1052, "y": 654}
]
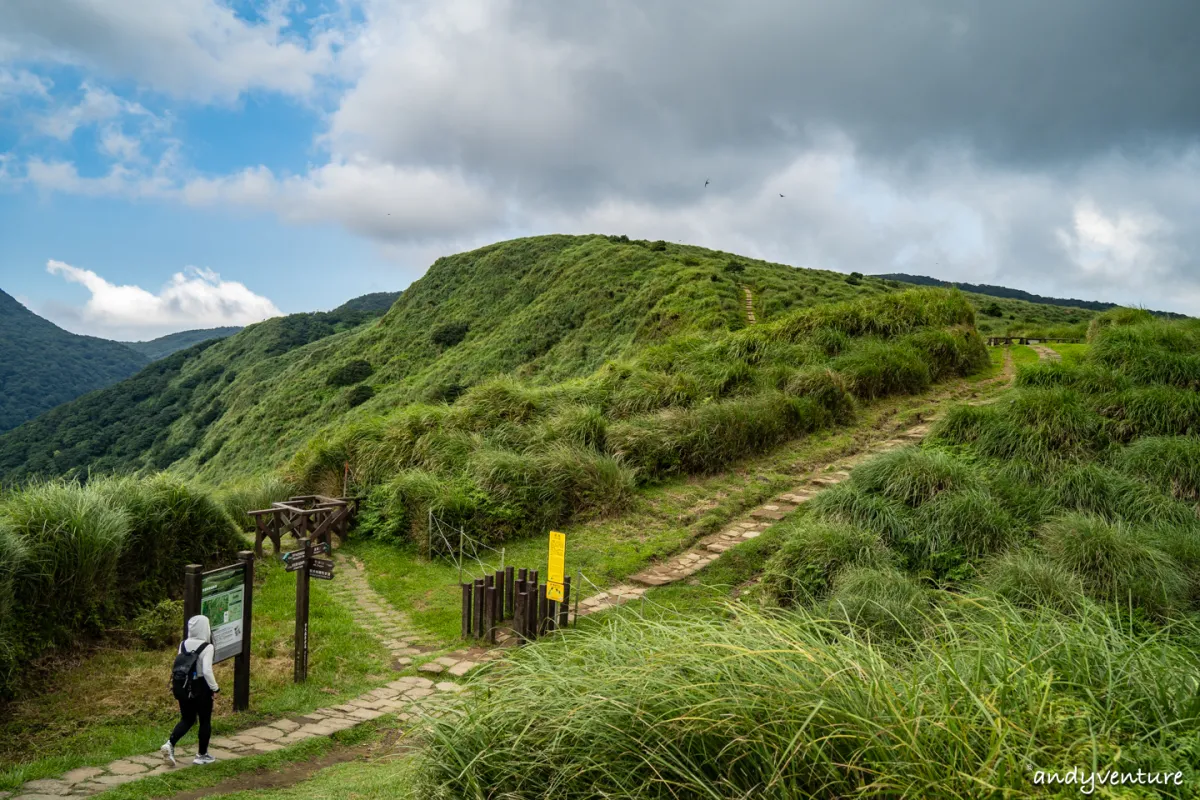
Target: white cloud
[
  {"x": 23, "y": 82},
  {"x": 370, "y": 198},
  {"x": 194, "y": 298},
  {"x": 97, "y": 105},
  {"x": 195, "y": 49}
]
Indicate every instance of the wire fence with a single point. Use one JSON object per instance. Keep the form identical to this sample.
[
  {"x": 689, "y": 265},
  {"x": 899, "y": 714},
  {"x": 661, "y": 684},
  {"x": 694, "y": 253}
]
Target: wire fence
[{"x": 451, "y": 542}]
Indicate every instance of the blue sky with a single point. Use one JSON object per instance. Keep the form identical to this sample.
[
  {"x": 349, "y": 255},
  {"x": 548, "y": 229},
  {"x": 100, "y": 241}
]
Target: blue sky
[{"x": 173, "y": 164}]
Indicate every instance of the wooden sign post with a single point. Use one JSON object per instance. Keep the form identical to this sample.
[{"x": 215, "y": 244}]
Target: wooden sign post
[
  {"x": 554, "y": 571},
  {"x": 306, "y": 564}
]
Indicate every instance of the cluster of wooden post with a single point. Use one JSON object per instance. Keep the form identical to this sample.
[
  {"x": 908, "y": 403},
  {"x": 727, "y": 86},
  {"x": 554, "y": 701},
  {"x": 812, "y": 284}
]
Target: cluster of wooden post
[{"x": 512, "y": 595}]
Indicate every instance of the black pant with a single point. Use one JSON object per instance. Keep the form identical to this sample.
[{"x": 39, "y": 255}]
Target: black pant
[{"x": 199, "y": 707}]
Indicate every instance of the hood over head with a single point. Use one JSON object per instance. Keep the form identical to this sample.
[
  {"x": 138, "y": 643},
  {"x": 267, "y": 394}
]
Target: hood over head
[{"x": 199, "y": 628}]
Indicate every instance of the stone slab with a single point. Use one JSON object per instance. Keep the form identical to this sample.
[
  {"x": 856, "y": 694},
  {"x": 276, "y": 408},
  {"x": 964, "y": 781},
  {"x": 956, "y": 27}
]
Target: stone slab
[{"x": 83, "y": 774}]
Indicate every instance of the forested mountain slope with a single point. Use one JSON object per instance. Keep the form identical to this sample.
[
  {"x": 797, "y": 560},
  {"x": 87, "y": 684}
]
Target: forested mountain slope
[{"x": 41, "y": 365}]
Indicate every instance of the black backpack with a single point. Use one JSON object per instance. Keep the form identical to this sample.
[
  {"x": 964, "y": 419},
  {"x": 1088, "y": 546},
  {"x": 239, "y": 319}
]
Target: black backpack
[{"x": 183, "y": 672}]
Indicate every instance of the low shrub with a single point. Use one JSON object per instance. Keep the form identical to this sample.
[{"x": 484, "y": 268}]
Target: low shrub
[
  {"x": 913, "y": 475},
  {"x": 826, "y": 387},
  {"x": 1116, "y": 561},
  {"x": 711, "y": 436},
  {"x": 849, "y": 503},
  {"x": 1027, "y": 578},
  {"x": 1151, "y": 411},
  {"x": 1172, "y": 463},
  {"x": 950, "y": 352},
  {"x": 583, "y": 426},
  {"x": 253, "y": 494},
  {"x": 350, "y": 373},
  {"x": 1115, "y": 496},
  {"x": 449, "y": 334},
  {"x": 357, "y": 395},
  {"x": 1086, "y": 378},
  {"x": 884, "y": 601},
  {"x": 170, "y": 525},
  {"x": 1115, "y": 317},
  {"x": 493, "y": 402},
  {"x": 877, "y": 369},
  {"x": 969, "y": 521},
  {"x": 158, "y": 626},
  {"x": 802, "y": 570},
  {"x": 74, "y": 539}
]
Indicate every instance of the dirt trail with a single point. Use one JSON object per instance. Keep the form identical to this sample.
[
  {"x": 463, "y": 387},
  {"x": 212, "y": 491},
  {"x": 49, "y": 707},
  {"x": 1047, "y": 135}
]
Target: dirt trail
[{"x": 414, "y": 697}]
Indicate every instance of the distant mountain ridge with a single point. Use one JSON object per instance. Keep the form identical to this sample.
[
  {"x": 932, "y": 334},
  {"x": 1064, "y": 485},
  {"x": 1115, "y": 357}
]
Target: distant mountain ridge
[
  {"x": 42, "y": 365},
  {"x": 1013, "y": 294},
  {"x": 164, "y": 346}
]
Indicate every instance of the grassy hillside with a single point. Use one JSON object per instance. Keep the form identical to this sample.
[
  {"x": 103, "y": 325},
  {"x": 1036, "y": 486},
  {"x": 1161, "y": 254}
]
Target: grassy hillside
[
  {"x": 548, "y": 308},
  {"x": 544, "y": 310},
  {"x": 1018, "y": 596},
  {"x": 164, "y": 346},
  {"x": 41, "y": 365},
  {"x": 160, "y": 414}
]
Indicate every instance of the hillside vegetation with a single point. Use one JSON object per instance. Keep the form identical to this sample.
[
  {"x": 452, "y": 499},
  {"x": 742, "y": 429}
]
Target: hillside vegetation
[
  {"x": 159, "y": 415},
  {"x": 1019, "y": 593},
  {"x": 511, "y": 457},
  {"x": 41, "y": 365},
  {"x": 548, "y": 308},
  {"x": 75, "y": 559},
  {"x": 164, "y": 346}
]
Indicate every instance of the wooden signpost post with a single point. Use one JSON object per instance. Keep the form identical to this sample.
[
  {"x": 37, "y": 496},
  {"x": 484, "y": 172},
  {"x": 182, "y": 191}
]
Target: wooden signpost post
[{"x": 306, "y": 563}]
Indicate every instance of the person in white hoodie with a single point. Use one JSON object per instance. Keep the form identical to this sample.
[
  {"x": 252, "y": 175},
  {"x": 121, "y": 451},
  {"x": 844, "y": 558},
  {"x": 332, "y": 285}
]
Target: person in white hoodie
[{"x": 200, "y": 705}]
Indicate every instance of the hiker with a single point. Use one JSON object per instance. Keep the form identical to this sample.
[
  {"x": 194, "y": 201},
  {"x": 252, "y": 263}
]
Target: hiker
[{"x": 193, "y": 684}]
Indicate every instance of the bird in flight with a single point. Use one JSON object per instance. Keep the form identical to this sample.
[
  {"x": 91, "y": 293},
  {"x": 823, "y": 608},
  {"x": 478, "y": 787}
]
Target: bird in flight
[
  {"x": 706, "y": 181},
  {"x": 781, "y": 195}
]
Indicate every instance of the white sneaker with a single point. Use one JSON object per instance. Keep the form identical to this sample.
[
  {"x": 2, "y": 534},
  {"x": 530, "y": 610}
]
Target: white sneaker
[
  {"x": 168, "y": 751},
  {"x": 204, "y": 758}
]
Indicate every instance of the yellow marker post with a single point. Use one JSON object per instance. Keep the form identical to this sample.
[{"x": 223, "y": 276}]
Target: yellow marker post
[{"x": 554, "y": 571}]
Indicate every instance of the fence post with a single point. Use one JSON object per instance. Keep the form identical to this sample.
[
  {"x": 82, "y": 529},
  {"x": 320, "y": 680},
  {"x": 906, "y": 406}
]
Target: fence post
[
  {"x": 490, "y": 603},
  {"x": 508, "y": 593},
  {"x": 466, "y": 610},
  {"x": 519, "y": 614},
  {"x": 241, "y": 662},
  {"x": 478, "y": 607},
  {"x": 564, "y": 608},
  {"x": 531, "y": 611},
  {"x": 551, "y": 615},
  {"x": 498, "y": 608},
  {"x": 543, "y": 607}
]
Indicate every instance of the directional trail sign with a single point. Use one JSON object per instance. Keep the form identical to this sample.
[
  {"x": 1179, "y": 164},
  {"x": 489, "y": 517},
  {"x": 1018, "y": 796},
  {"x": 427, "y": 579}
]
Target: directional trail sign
[
  {"x": 321, "y": 563},
  {"x": 321, "y": 574}
]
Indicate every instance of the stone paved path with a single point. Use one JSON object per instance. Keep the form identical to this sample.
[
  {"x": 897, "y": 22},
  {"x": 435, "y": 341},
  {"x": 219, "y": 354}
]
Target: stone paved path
[
  {"x": 749, "y": 306},
  {"x": 415, "y": 696},
  {"x": 1045, "y": 353}
]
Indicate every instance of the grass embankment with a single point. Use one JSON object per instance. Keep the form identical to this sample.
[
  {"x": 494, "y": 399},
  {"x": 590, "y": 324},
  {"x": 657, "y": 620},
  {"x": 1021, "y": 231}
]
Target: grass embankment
[
  {"x": 509, "y": 459},
  {"x": 76, "y": 559},
  {"x": 1019, "y": 594},
  {"x": 110, "y": 703}
]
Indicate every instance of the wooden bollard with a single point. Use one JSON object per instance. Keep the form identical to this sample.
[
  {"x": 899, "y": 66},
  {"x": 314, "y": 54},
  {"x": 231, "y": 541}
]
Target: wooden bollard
[
  {"x": 498, "y": 610},
  {"x": 519, "y": 612},
  {"x": 543, "y": 605},
  {"x": 478, "y": 615},
  {"x": 551, "y": 615},
  {"x": 531, "y": 607},
  {"x": 564, "y": 608},
  {"x": 508, "y": 593},
  {"x": 466, "y": 610},
  {"x": 492, "y": 596}
]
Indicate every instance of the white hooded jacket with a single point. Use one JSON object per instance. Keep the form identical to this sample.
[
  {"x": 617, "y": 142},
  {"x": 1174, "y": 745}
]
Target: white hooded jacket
[{"x": 199, "y": 632}]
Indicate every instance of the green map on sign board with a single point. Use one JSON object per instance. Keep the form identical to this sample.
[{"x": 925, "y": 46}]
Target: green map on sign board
[{"x": 222, "y": 595}]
